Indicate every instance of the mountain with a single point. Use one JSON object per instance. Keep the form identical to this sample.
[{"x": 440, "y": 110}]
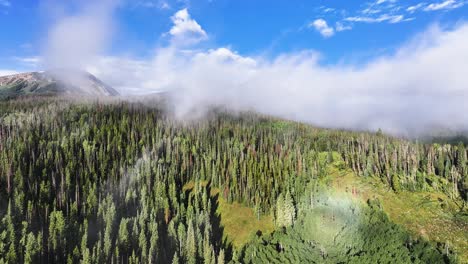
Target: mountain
[{"x": 63, "y": 82}]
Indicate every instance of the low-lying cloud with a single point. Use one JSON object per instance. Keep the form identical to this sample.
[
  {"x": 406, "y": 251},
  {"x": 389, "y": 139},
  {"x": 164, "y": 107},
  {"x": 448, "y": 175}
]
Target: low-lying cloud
[{"x": 7, "y": 72}]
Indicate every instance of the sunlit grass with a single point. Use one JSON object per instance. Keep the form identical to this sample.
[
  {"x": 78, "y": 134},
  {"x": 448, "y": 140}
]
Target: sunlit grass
[
  {"x": 239, "y": 221},
  {"x": 241, "y": 224}
]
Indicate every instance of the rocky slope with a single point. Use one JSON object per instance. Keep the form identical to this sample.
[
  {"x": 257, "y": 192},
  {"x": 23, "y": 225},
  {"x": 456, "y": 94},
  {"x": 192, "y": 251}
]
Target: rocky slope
[{"x": 62, "y": 82}]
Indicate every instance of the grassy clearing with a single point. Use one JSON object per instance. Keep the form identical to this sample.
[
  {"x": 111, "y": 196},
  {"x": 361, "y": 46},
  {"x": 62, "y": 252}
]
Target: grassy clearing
[
  {"x": 241, "y": 224},
  {"x": 423, "y": 214},
  {"x": 239, "y": 221}
]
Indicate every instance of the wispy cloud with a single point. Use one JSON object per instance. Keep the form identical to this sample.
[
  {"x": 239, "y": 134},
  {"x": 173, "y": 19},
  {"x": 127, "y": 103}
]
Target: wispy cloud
[
  {"x": 5, "y": 3},
  {"x": 322, "y": 27},
  {"x": 445, "y": 5},
  {"x": 339, "y": 26},
  {"x": 32, "y": 62},
  {"x": 379, "y": 6},
  {"x": 389, "y": 11},
  {"x": 160, "y": 4},
  {"x": 414, "y": 8},
  {"x": 373, "y": 12},
  {"x": 382, "y": 18},
  {"x": 325, "y": 9},
  {"x": 379, "y": 2}
]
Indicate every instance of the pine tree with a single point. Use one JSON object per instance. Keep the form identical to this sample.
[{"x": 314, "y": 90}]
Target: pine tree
[
  {"x": 289, "y": 210},
  {"x": 56, "y": 229},
  {"x": 279, "y": 215},
  {"x": 221, "y": 257},
  {"x": 31, "y": 248},
  {"x": 191, "y": 246},
  {"x": 153, "y": 242},
  {"x": 175, "y": 259}
]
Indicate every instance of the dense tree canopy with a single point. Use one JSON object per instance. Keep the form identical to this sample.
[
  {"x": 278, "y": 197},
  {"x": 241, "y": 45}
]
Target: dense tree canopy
[{"x": 107, "y": 182}]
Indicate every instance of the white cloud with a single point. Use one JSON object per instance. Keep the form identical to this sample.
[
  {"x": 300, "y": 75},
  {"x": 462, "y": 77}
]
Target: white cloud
[
  {"x": 379, "y": 2},
  {"x": 371, "y": 11},
  {"x": 448, "y": 4},
  {"x": 396, "y": 19},
  {"x": 228, "y": 56},
  {"x": 415, "y": 8},
  {"x": 7, "y": 72},
  {"x": 382, "y": 18},
  {"x": 185, "y": 29},
  {"x": 322, "y": 27},
  {"x": 379, "y": 6},
  {"x": 381, "y": 11}
]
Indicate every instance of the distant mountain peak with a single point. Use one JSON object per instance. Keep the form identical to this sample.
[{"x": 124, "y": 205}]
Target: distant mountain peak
[{"x": 57, "y": 81}]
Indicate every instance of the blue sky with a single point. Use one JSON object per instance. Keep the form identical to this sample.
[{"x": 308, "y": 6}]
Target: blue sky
[{"x": 342, "y": 31}]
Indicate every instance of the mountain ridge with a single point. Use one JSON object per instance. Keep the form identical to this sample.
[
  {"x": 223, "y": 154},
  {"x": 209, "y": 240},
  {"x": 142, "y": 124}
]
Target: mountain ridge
[{"x": 54, "y": 82}]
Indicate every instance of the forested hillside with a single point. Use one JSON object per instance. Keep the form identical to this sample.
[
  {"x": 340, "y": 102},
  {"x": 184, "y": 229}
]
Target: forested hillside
[{"x": 121, "y": 182}]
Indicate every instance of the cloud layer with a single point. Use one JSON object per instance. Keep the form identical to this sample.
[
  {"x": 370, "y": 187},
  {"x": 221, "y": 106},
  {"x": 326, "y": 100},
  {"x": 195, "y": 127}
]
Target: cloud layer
[
  {"x": 421, "y": 87},
  {"x": 7, "y": 72}
]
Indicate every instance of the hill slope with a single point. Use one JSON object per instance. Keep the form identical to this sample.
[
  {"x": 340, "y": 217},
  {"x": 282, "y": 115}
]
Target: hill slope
[
  {"x": 53, "y": 82},
  {"x": 124, "y": 182}
]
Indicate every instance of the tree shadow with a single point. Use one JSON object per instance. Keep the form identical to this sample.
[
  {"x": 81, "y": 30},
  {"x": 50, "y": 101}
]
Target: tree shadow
[{"x": 219, "y": 239}]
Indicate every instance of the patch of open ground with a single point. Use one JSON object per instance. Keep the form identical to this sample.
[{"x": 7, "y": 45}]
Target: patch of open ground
[{"x": 240, "y": 222}]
